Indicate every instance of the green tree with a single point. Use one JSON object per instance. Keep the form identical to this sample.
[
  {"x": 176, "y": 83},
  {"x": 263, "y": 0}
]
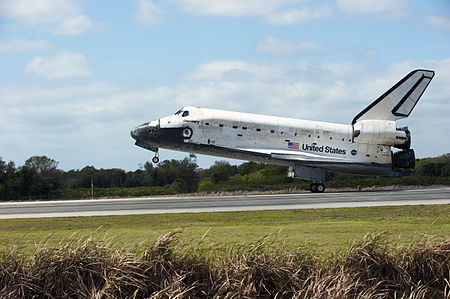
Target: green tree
[
  {"x": 2, "y": 179},
  {"x": 221, "y": 171},
  {"x": 41, "y": 164},
  {"x": 39, "y": 177},
  {"x": 13, "y": 182},
  {"x": 249, "y": 167},
  {"x": 169, "y": 170},
  {"x": 149, "y": 179}
]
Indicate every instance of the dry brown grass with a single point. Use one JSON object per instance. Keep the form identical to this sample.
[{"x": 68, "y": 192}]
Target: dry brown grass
[{"x": 83, "y": 268}]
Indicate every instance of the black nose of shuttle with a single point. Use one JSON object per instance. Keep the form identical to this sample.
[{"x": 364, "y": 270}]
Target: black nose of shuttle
[{"x": 134, "y": 133}]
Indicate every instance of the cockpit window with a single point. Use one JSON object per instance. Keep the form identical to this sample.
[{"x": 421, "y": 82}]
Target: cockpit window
[
  {"x": 179, "y": 112},
  {"x": 185, "y": 113}
]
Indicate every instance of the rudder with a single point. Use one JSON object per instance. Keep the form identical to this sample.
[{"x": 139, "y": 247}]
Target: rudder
[{"x": 399, "y": 100}]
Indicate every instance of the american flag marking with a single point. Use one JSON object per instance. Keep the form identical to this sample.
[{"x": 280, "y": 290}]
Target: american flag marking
[{"x": 293, "y": 145}]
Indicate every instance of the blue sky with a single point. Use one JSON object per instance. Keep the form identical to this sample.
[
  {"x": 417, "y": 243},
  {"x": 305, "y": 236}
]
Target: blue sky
[{"x": 78, "y": 75}]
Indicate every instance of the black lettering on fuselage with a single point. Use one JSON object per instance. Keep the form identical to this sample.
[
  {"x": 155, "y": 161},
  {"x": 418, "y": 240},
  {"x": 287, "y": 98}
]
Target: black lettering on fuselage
[
  {"x": 323, "y": 149},
  {"x": 312, "y": 148}
]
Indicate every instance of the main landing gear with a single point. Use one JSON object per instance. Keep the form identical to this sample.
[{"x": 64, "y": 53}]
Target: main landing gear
[
  {"x": 312, "y": 174},
  {"x": 317, "y": 188},
  {"x": 155, "y": 159}
]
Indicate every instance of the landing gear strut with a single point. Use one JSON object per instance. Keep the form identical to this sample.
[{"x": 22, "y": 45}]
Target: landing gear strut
[
  {"x": 312, "y": 174},
  {"x": 155, "y": 159},
  {"x": 317, "y": 188}
]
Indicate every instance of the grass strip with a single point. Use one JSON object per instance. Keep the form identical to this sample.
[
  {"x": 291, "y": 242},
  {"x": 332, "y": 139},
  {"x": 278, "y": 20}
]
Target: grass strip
[{"x": 321, "y": 230}]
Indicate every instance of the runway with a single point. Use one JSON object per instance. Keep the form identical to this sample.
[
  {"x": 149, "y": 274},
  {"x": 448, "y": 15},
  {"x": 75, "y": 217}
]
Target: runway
[{"x": 196, "y": 204}]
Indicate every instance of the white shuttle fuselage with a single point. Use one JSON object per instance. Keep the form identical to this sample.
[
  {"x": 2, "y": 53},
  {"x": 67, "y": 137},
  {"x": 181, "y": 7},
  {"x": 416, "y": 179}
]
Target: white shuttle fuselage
[{"x": 308, "y": 147}]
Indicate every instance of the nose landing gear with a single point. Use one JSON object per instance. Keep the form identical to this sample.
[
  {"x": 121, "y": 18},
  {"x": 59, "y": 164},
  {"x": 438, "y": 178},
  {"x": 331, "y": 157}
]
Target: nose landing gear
[{"x": 155, "y": 159}]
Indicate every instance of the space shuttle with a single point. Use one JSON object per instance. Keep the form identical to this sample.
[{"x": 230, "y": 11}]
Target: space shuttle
[{"x": 372, "y": 144}]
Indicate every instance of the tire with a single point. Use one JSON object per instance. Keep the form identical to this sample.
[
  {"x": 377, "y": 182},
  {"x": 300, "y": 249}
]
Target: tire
[
  {"x": 155, "y": 160},
  {"x": 187, "y": 133},
  {"x": 313, "y": 188},
  {"x": 320, "y": 188}
]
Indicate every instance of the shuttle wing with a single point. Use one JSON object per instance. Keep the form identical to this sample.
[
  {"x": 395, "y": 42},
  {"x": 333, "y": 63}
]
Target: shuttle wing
[
  {"x": 291, "y": 156},
  {"x": 301, "y": 157},
  {"x": 325, "y": 162},
  {"x": 305, "y": 157}
]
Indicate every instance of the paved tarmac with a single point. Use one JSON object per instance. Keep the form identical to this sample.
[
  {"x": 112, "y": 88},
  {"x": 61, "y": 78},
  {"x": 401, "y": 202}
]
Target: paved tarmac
[{"x": 195, "y": 204}]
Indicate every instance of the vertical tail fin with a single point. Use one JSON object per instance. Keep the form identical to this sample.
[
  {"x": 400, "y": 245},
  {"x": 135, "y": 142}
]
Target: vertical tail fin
[{"x": 399, "y": 100}]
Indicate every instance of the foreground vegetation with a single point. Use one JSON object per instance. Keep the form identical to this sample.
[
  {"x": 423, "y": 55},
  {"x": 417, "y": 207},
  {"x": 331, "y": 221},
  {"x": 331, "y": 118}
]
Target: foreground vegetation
[
  {"x": 39, "y": 178},
  {"x": 83, "y": 268},
  {"x": 323, "y": 253},
  {"x": 322, "y": 230}
]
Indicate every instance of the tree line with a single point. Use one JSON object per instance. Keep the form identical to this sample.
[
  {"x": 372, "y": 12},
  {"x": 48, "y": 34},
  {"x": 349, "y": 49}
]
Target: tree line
[{"x": 40, "y": 178}]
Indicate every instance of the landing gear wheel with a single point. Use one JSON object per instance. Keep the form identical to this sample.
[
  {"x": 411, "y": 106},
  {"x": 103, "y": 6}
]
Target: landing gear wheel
[
  {"x": 155, "y": 159},
  {"x": 320, "y": 188},
  {"x": 187, "y": 133},
  {"x": 317, "y": 188}
]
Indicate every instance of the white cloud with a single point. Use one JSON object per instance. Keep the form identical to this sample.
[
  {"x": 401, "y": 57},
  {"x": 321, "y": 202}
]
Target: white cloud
[
  {"x": 235, "y": 70},
  {"x": 60, "y": 17},
  {"x": 73, "y": 25},
  {"x": 274, "y": 12},
  {"x": 23, "y": 45},
  {"x": 215, "y": 70},
  {"x": 148, "y": 14},
  {"x": 298, "y": 16},
  {"x": 36, "y": 12},
  {"x": 273, "y": 45},
  {"x": 61, "y": 65},
  {"x": 379, "y": 8},
  {"x": 438, "y": 21},
  {"x": 231, "y": 8}
]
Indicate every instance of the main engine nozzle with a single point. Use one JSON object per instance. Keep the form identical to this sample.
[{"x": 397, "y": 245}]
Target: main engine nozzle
[
  {"x": 403, "y": 139},
  {"x": 404, "y": 159}
]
